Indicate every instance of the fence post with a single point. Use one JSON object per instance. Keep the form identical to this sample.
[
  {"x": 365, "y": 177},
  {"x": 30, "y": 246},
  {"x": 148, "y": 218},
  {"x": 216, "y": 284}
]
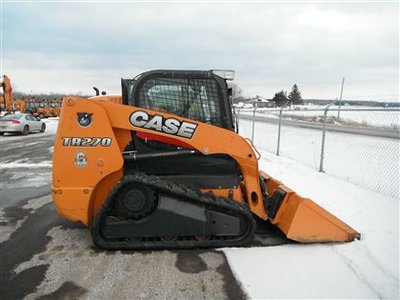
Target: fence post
[
  {"x": 321, "y": 164},
  {"x": 237, "y": 119},
  {"x": 279, "y": 130},
  {"x": 252, "y": 128}
]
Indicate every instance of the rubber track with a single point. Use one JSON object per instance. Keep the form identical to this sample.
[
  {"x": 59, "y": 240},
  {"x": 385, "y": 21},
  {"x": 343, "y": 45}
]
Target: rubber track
[{"x": 181, "y": 192}]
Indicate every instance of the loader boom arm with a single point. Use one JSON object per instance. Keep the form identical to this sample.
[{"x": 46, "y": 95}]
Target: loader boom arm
[{"x": 5, "y": 83}]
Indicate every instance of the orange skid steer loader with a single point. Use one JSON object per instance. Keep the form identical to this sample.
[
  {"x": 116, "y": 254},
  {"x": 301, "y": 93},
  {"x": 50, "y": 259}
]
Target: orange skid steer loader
[{"x": 162, "y": 167}]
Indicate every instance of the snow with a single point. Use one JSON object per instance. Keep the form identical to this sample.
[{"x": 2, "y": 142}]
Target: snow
[
  {"x": 357, "y": 115},
  {"x": 296, "y": 272},
  {"x": 14, "y": 165},
  {"x": 24, "y": 179},
  {"x": 51, "y": 124},
  {"x": 368, "y": 268},
  {"x": 369, "y": 161}
]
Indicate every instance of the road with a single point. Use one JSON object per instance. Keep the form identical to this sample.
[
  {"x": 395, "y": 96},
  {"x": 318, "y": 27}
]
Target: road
[{"x": 46, "y": 257}]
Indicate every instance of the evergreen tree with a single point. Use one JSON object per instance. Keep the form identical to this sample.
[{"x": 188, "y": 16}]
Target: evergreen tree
[
  {"x": 280, "y": 98},
  {"x": 295, "y": 95}
]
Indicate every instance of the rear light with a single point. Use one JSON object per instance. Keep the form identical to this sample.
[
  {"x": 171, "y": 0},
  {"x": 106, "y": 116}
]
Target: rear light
[{"x": 13, "y": 121}]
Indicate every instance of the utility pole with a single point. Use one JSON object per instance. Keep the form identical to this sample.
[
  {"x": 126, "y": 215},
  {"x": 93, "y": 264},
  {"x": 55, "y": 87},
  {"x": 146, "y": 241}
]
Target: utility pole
[{"x": 340, "y": 100}]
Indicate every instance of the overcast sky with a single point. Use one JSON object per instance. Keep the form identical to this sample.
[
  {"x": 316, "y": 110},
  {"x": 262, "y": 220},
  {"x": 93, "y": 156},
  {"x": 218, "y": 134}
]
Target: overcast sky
[{"x": 70, "y": 47}]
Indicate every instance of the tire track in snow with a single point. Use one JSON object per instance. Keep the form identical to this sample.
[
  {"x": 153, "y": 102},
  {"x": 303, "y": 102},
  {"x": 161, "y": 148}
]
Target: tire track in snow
[{"x": 371, "y": 276}]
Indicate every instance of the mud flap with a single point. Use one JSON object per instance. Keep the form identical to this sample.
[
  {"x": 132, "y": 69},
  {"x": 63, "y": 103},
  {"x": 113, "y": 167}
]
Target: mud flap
[{"x": 301, "y": 219}]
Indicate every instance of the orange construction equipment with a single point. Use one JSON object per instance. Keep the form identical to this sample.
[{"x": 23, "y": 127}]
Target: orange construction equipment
[
  {"x": 20, "y": 104},
  {"x": 37, "y": 108},
  {"x": 7, "y": 103},
  {"x": 162, "y": 167},
  {"x": 6, "y": 100},
  {"x": 44, "y": 108},
  {"x": 54, "y": 107}
]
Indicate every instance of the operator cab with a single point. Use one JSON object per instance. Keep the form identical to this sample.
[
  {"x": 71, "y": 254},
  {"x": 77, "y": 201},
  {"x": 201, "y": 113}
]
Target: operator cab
[
  {"x": 198, "y": 95},
  {"x": 201, "y": 96}
]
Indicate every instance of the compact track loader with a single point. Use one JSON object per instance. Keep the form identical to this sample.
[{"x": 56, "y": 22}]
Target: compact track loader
[{"x": 162, "y": 167}]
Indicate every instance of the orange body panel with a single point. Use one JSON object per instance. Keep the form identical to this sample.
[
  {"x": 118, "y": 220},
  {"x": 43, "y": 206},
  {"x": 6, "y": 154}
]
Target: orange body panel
[{"x": 111, "y": 120}]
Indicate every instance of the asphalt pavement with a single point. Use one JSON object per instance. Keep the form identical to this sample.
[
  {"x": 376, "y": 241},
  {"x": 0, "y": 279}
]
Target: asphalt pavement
[{"x": 43, "y": 256}]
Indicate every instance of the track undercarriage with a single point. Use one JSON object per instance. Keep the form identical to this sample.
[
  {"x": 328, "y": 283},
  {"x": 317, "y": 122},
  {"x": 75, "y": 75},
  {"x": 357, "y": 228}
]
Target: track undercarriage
[{"x": 147, "y": 212}]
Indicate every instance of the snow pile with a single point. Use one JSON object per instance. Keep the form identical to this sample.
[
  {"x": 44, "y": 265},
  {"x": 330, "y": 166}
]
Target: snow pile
[
  {"x": 362, "y": 269},
  {"x": 51, "y": 124}
]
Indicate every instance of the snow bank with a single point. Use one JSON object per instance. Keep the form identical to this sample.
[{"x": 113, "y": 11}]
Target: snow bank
[
  {"x": 51, "y": 124},
  {"x": 362, "y": 269}
]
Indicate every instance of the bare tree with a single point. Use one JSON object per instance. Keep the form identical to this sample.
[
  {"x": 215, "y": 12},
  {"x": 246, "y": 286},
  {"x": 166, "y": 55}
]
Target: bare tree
[{"x": 237, "y": 93}]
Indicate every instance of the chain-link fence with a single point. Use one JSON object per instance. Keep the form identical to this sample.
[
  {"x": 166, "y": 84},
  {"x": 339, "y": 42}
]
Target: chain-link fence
[{"x": 360, "y": 145}]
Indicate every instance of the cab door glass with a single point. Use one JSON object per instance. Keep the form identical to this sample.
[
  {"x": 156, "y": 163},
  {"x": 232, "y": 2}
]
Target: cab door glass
[{"x": 196, "y": 99}]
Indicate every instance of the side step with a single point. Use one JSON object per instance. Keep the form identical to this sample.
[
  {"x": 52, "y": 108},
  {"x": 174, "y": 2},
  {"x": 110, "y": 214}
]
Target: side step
[{"x": 301, "y": 219}]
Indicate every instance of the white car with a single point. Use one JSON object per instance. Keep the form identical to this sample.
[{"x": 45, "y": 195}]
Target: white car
[{"x": 22, "y": 123}]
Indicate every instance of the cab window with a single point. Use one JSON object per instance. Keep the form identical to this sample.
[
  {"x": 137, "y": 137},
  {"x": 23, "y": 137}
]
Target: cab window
[{"x": 196, "y": 99}]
